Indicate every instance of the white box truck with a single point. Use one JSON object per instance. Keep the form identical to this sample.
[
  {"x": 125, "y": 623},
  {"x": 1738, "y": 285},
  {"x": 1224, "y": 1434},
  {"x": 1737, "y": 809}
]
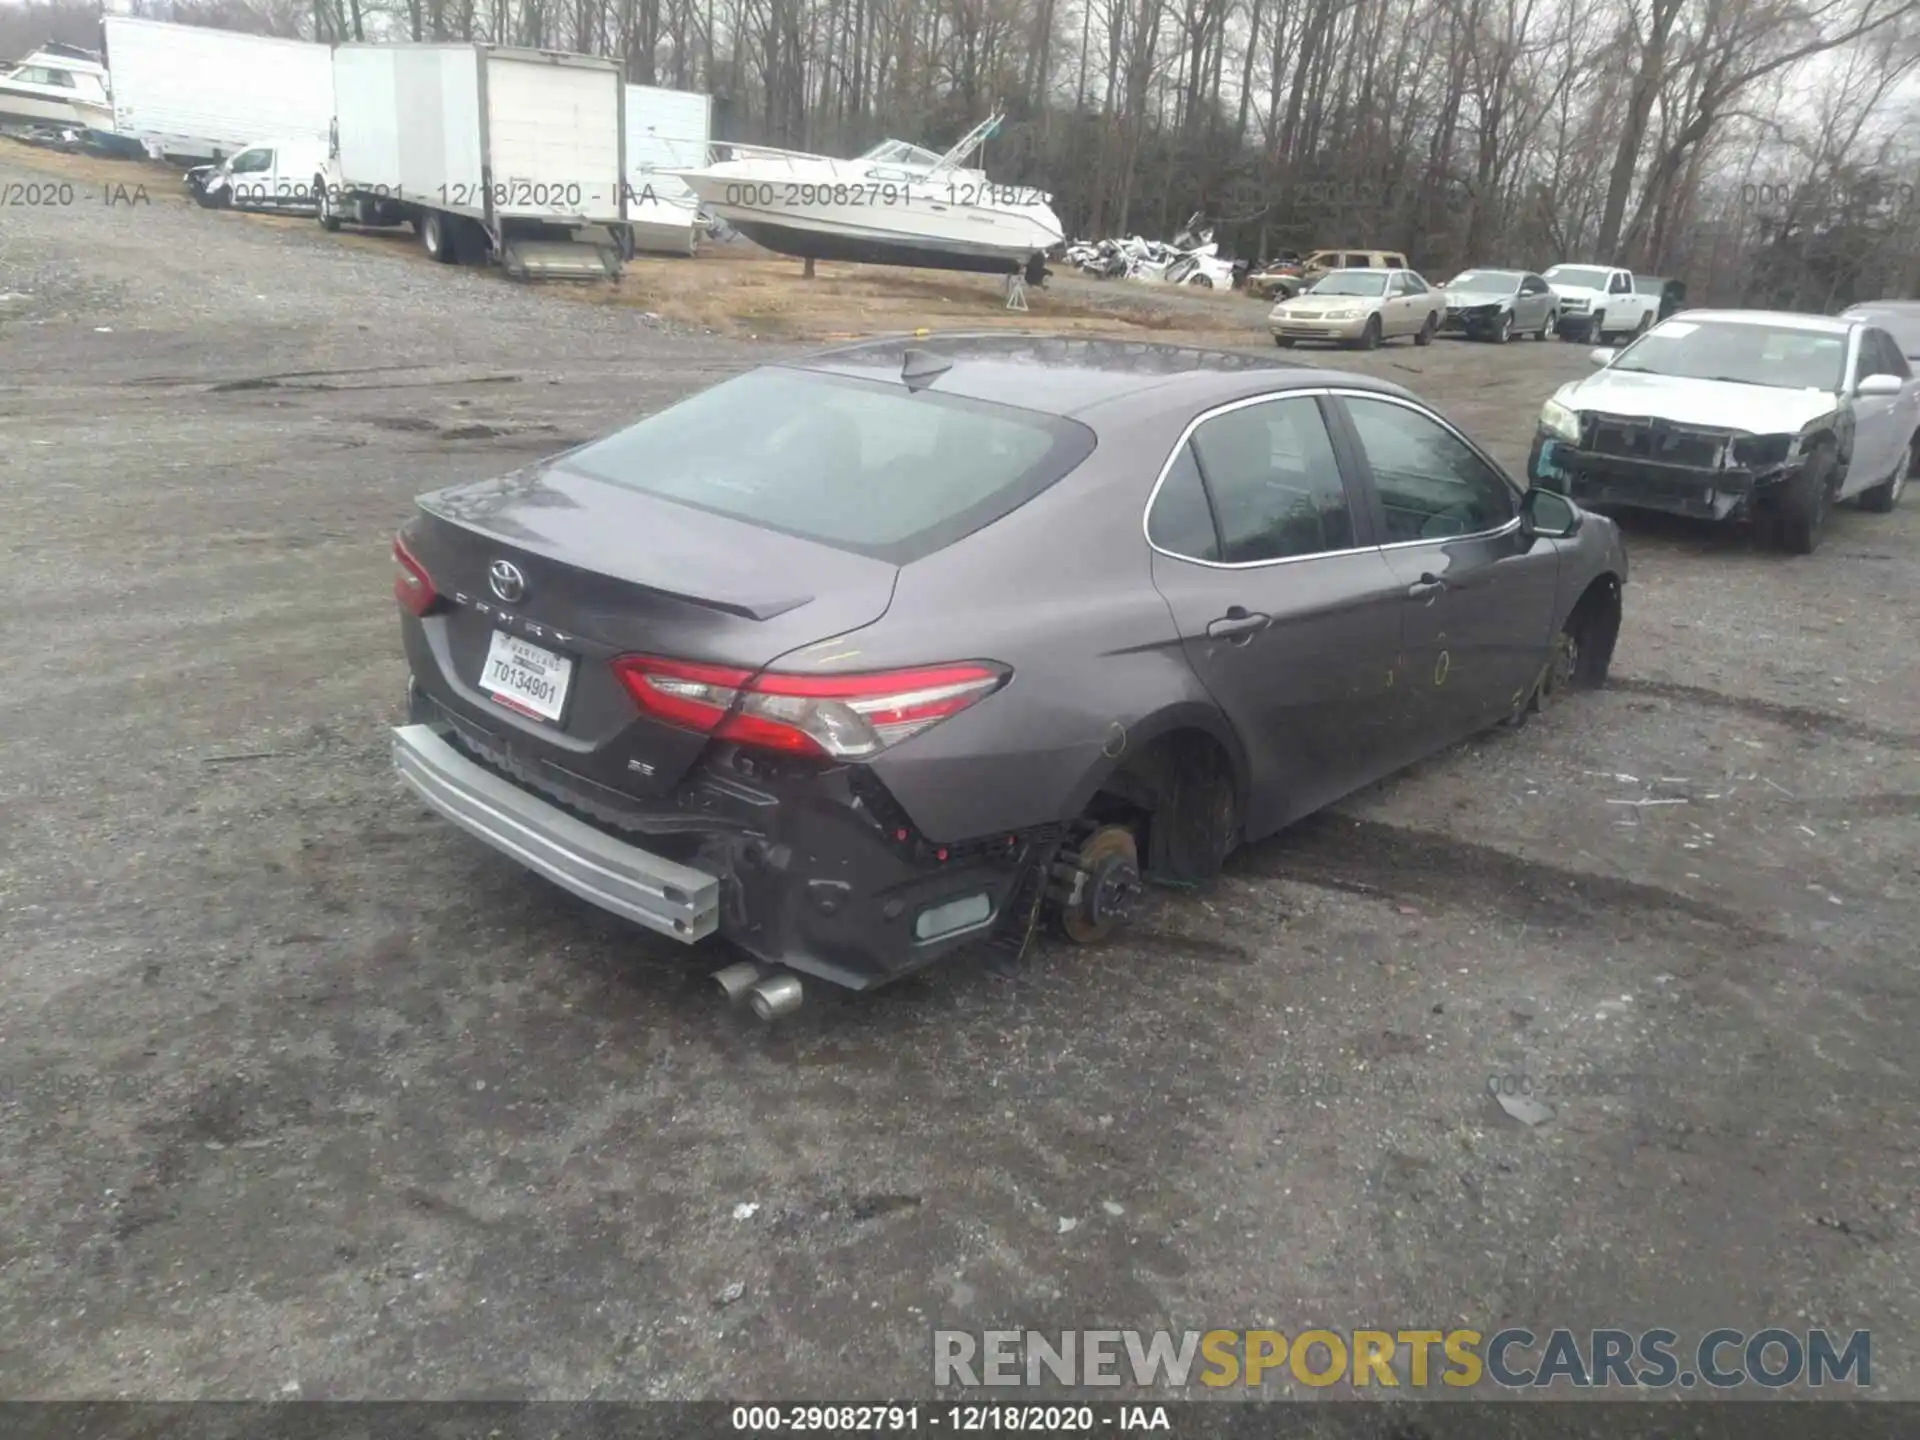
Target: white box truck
[
  {"x": 489, "y": 153},
  {"x": 666, "y": 130},
  {"x": 189, "y": 93}
]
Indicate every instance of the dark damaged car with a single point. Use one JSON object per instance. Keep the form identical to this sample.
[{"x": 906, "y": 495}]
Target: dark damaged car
[
  {"x": 867, "y": 658},
  {"x": 1739, "y": 414}
]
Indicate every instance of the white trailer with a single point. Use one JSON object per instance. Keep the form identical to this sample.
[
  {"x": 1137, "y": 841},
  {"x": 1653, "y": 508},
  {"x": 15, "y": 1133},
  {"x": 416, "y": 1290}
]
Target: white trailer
[
  {"x": 186, "y": 92},
  {"x": 666, "y": 130},
  {"x": 489, "y": 153}
]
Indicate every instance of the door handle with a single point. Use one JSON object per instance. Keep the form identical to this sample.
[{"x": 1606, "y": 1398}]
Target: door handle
[
  {"x": 1237, "y": 625},
  {"x": 1428, "y": 586}
]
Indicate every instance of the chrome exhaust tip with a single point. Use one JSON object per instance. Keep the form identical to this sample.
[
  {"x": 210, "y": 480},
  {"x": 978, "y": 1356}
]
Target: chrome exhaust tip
[
  {"x": 736, "y": 980},
  {"x": 775, "y": 996}
]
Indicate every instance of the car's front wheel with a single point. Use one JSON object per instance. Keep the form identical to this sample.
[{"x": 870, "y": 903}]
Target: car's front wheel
[
  {"x": 323, "y": 204},
  {"x": 1884, "y": 497},
  {"x": 1805, "y": 502},
  {"x": 1285, "y": 342},
  {"x": 1370, "y": 337},
  {"x": 1548, "y": 326},
  {"x": 1425, "y": 337},
  {"x": 1503, "y": 328},
  {"x": 1582, "y": 652}
]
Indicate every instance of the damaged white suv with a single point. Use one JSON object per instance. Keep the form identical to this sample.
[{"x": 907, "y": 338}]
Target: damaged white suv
[{"x": 1734, "y": 414}]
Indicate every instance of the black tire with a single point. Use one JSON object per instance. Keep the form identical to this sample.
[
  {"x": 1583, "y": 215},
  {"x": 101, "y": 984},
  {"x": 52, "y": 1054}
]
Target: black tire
[
  {"x": 437, "y": 236},
  {"x": 220, "y": 201},
  {"x": 1202, "y": 282},
  {"x": 1597, "y": 328},
  {"x": 1425, "y": 337},
  {"x": 1805, "y": 501},
  {"x": 1370, "y": 337},
  {"x": 471, "y": 243},
  {"x": 1503, "y": 328},
  {"x": 1885, "y": 496},
  {"x": 1646, "y": 324},
  {"x": 1548, "y": 326},
  {"x": 323, "y": 210},
  {"x": 1285, "y": 342}
]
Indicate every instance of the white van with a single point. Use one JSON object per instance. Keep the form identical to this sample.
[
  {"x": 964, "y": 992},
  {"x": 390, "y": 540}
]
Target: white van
[{"x": 272, "y": 175}]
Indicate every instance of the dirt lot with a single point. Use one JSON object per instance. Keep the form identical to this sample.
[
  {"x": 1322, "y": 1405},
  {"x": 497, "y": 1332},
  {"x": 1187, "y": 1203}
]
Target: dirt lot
[{"x": 301, "y": 1092}]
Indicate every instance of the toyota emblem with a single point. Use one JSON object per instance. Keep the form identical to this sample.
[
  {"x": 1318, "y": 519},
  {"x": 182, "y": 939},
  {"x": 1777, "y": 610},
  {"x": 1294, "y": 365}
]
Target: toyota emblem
[{"x": 506, "y": 581}]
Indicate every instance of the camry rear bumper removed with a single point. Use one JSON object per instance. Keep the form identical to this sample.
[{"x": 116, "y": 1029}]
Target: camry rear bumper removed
[
  {"x": 650, "y": 890},
  {"x": 815, "y": 873}
]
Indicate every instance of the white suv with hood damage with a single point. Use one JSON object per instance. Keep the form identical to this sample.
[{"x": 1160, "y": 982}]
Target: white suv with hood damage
[
  {"x": 1600, "y": 300},
  {"x": 1737, "y": 414}
]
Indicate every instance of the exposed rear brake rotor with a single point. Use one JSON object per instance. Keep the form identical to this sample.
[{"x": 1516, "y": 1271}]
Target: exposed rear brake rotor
[{"x": 1097, "y": 884}]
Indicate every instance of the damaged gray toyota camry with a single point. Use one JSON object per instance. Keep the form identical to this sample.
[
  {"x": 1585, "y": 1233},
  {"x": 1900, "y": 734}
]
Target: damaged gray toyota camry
[{"x": 871, "y": 657}]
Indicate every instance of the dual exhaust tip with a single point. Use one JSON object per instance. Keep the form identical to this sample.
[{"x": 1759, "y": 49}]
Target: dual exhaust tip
[{"x": 770, "y": 993}]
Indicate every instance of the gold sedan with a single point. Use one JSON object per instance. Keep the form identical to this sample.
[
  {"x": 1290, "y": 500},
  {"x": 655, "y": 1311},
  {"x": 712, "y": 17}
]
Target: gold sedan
[{"x": 1360, "y": 308}]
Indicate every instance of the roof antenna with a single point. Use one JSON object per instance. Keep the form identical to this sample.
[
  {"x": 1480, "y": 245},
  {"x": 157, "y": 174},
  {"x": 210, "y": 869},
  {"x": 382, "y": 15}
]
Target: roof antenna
[{"x": 920, "y": 368}]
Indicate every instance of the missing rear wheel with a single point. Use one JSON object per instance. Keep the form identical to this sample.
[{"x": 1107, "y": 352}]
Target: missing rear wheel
[{"x": 1096, "y": 885}]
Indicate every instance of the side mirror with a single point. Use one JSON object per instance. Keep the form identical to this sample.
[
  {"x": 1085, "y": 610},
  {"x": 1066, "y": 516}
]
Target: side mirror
[
  {"x": 1880, "y": 385},
  {"x": 1548, "y": 513},
  {"x": 1602, "y": 356}
]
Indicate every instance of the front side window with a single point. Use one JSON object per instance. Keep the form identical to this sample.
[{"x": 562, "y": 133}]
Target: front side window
[
  {"x": 1430, "y": 482},
  {"x": 248, "y": 162},
  {"x": 1274, "y": 482}
]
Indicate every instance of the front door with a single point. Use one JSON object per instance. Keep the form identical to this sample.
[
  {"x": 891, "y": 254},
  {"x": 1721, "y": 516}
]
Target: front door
[
  {"x": 1478, "y": 596},
  {"x": 1286, "y": 610}
]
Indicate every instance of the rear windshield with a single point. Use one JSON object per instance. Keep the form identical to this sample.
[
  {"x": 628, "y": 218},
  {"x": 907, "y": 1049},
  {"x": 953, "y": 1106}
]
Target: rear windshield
[{"x": 862, "y": 465}]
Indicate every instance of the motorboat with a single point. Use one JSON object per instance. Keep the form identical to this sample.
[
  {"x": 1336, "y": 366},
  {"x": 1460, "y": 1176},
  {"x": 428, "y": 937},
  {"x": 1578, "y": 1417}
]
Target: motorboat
[
  {"x": 898, "y": 204},
  {"x": 60, "y": 85}
]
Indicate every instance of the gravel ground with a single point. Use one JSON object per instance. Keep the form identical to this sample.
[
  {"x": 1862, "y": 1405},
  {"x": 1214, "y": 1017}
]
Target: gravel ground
[{"x": 301, "y": 1092}]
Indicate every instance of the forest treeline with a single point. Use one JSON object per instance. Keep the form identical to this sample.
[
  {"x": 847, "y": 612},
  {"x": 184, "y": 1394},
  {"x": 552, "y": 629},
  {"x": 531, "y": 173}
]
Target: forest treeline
[{"x": 1766, "y": 151}]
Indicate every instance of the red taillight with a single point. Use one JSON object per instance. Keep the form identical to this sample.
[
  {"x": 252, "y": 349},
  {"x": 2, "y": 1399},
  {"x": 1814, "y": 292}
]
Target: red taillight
[
  {"x": 693, "y": 697},
  {"x": 412, "y": 586},
  {"x": 845, "y": 717}
]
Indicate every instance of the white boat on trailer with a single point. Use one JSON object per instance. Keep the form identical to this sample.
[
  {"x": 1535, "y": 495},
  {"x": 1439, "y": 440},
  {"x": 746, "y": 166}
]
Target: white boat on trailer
[
  {"x": 57, "y": 85},
  {"x": 898, "y": 204}
]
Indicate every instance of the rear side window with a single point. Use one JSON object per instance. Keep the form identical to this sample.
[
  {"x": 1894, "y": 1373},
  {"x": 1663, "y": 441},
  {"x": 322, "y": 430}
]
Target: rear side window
[
  {"x": 862, "y": 465},
  {"x": 1181, "y": 521},
  {"x": 1274, "y": 480}
]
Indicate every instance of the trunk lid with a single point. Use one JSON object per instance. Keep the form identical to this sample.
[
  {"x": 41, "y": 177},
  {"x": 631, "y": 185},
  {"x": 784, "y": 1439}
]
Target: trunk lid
[{"x": 605, "y": 571}]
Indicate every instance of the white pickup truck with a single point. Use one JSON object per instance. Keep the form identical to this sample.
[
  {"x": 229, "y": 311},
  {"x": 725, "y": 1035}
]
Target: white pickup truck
[{"x": 1600, "y": 300}]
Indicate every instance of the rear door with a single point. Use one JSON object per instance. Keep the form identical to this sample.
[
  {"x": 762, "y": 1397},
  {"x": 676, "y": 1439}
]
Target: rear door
[
  {"x": 1533, "y": 302},
  {"x": 1286, "y": 609},
  {"x": 1477, "y": 596},
  {"x": 1883, "y": 424},
  {"x": 1423, "y": 301}
]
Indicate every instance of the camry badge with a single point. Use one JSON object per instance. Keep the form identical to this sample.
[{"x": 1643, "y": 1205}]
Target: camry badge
[{"x": 506, "y": 581}]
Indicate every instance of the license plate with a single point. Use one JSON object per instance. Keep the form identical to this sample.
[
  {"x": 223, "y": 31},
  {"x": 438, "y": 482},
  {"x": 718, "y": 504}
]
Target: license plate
[{"x": 525, "y": 677}]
